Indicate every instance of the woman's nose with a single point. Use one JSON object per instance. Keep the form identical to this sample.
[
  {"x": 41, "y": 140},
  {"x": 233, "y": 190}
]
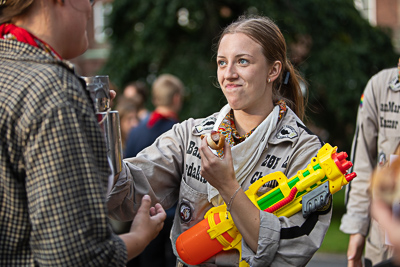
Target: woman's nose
[{"x": 231, "y": 72}]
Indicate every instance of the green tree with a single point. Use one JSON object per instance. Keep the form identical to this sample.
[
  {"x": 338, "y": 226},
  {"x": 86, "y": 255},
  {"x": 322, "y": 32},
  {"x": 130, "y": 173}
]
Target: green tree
[{"x": 335, "y": 49}]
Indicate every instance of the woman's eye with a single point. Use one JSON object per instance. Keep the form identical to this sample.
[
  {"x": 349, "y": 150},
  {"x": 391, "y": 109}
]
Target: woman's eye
[
  {"x": 243, "y": 61},
  {"x": 221, "y": 63}
]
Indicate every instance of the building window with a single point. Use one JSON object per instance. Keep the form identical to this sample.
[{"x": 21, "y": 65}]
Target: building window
[{"x": 100, "y": 11}]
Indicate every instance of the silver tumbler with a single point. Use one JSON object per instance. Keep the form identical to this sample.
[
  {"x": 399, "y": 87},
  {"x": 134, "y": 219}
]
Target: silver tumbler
[{"x": 108, "y": 119}]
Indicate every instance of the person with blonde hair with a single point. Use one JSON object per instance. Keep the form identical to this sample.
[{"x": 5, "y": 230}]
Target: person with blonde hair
[
  {"x": 54, "y": 167},
  {"x": 263, "y": 132},
  {"x": 167, "y": 95}
]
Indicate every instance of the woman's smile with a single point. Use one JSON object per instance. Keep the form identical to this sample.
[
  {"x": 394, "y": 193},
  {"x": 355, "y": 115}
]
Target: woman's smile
[{"x": 232, "y": 86}]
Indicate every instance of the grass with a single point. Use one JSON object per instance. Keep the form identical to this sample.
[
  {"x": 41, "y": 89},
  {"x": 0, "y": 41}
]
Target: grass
[{"x": 336, "y": 241}]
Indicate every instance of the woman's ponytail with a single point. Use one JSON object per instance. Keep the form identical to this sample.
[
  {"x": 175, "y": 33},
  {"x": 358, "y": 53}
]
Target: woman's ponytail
[{"x": 289, "y": 88}]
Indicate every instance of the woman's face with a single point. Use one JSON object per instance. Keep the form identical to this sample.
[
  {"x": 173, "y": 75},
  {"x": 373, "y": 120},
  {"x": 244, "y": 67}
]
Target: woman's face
[
  {"x": 243, "y": 73},
  {"x": 78, "y": 13}
]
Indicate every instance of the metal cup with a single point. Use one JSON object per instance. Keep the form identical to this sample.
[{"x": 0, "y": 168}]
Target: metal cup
[{"x": 108, "y": 119}]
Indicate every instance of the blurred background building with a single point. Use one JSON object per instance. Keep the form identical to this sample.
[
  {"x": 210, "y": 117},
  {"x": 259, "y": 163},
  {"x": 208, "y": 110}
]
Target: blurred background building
[
  {"x": 94, "y": 58},
  {"x": 384, "y": 13}
]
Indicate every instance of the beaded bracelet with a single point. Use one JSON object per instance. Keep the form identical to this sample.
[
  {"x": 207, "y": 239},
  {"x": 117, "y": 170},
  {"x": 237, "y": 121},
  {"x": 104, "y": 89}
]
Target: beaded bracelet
[{"x": 228, "y": 206}]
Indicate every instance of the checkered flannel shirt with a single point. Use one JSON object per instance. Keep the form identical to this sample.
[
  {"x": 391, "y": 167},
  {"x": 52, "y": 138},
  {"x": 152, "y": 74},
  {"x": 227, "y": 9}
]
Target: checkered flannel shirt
[{"x": 53, "y": 166}]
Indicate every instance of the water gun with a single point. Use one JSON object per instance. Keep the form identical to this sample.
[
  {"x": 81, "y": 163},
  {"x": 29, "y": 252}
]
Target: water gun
[{"x": 309, "y": 190}]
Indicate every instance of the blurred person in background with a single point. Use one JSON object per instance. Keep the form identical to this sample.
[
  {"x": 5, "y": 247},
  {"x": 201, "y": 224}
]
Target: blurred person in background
[
  {"x": 139, "y": 91},
  {"x": 128, "y": 116},
  {"x": 376, "y": 138},
  {"x": 54, "y": 167},
  {"x": 263, "y": 134},
  {"x": 167, "y": 95}
]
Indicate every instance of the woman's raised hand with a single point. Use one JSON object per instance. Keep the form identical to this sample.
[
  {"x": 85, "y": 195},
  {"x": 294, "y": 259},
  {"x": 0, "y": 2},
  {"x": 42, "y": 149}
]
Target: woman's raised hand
[{"x": 219, "y": 172}]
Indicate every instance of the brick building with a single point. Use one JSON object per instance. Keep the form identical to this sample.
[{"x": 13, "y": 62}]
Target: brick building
[{"x": 383, "y": 13}]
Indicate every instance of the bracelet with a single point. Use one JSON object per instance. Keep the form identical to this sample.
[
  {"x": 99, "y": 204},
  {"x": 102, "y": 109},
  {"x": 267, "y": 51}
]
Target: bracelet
[{"x": 228, "y": 206}]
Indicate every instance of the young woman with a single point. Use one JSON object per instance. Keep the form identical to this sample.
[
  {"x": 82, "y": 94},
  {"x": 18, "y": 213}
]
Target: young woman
[
  {"x": 264, "y": 134},
  {"x": 54, "y": 169}
]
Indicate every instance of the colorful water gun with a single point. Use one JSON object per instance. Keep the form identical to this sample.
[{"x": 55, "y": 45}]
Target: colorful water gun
[{"x": 309, "y": 190}]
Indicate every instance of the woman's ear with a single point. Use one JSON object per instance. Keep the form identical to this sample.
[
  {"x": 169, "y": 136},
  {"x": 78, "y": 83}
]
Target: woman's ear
[{"x": 275, "y": 70}]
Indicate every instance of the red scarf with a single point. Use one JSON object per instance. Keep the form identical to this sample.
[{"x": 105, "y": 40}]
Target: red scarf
[
  {"x": 12, "y": 32},
  {"x": 155, "y": 116}
]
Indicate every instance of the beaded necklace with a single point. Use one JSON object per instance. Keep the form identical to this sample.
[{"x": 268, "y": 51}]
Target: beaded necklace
[{"x": 232, "y": 136}]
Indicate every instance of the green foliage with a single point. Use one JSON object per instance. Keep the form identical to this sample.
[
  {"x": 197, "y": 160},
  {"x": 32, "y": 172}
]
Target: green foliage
[
  {"x": 335, "y": 241},
  {"x": 344, "y": 52}
]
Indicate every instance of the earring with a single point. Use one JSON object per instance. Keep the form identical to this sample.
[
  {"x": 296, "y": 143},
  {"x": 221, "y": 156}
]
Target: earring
[{"x": 269, "y": 80}]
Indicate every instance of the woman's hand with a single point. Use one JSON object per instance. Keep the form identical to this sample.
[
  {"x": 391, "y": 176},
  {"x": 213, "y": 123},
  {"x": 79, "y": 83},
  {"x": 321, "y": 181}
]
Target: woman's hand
[{"x": 218, "y": 171}]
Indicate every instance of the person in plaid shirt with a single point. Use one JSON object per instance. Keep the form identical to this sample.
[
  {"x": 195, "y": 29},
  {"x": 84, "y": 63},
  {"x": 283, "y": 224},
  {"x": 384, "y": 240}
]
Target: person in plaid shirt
[{"x": 53, "y": 165}]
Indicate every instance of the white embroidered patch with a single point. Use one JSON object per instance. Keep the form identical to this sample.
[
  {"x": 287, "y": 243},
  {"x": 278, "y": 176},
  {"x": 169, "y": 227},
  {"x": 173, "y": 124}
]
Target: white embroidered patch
[
  {"x": 206, "y": 124},
  {"x": 395, "y": 84},
  {"x": 286, "y": 132},
  {"x": 185, "y": 212}
]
